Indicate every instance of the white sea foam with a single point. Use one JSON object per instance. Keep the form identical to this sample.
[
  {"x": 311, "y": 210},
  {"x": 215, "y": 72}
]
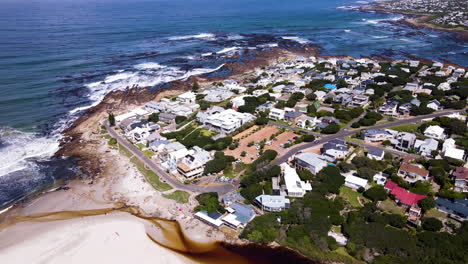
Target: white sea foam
[
  {"x": 347, "y": 30},
  {"x": 149, "y": 66},
  {"x": 228, "y": 50},
  {"x": 122, "y": 80},
  {"x": 235, "y": 37},
  {"x": 362, "y": 2},
  {"x": 377, "y": 21},
  {"x": 347, "y": 7},
  {"x": 297, "y": 39},
  {"x": 268, "y": 45},
  {"x": 118, "y": 77},
  {"x": 378, "y": 37},
  {"x": 208, "y": 36},
  {"x": 21, "y": 147}
]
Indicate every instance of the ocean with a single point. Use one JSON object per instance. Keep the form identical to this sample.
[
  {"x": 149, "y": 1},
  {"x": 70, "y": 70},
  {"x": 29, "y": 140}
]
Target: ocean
[{"x": 58, "y": 58}]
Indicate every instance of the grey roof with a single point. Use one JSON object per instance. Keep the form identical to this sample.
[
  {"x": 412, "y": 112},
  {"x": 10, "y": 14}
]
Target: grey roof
[
  {"x": 243, "y": 212},
  {"x": 232, "y": 196},
  {"x": 312, "y": 158},
  {"x": 375, "y": 152},
  {"x": 458, "y": 206},
  {"x": 158, "y": 142},
  {"x": 167, "y": 116},
  {"x": 273, "y": 201},
  {"x": 374, "y": 132},
  {"x": 335, "y": 144},
  {"x": 292, "y": 114},
  {"x": 138, "y": 124}
]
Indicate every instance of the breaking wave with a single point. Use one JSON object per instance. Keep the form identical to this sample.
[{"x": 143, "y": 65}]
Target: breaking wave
[
  {"x": 297, "y": 39},
  {"x": 19, "y": 149},
  {"x": 208, "y": 36}
]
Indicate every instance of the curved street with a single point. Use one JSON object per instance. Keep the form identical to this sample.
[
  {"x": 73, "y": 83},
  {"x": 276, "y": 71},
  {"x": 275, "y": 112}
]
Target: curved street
[
  {"x": 221, "y": 188},
  {"x": 226, "y": 187}
]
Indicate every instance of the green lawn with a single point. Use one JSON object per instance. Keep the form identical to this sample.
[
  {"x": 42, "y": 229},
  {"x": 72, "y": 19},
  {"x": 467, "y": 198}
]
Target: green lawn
[
  {"x": 178, "y": 196},
  {"x": 351, "y": 196},
  {"x": 337, "y": 229},
  {"x": 140, "y": 146},
  {"x": 411, "y": 128},
  {"x": 435, "y": 213},
  {"x": 207, "y": 133},
  {"x": 124, "y": 151},
  {"x": 150, "y": 176},
  {"x": 148, "y": 153},
  {"x": 390, "y": 206}
]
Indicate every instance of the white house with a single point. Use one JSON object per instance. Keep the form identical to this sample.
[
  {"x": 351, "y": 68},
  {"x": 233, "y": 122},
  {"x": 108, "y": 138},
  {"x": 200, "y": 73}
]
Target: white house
[
  {"x": 375, "y": 153},
  {"x": 272, "y": 203},
  {"x": 306, "y": 122},
  {"x": 188, "y": 97},
  {"x": 294, "y": 186},
  {"x": 445, "y": 86},
  {"x": 435, "y": 132},
  {"x": 320, "y": 95},
  {"x": 228, "y": 121},
  {"x": 450, "y": 150},
  {"x": 426, "y": 147},
  {"x": 276, "y": 113},
  {"x": 434, "y": 104},
  {"x": 354, "y": 182},
  {"x": 193, "y": 164},
  {"x": 238, "y": 101},
  {"x": 336, "y": 149},
  {"x": 311, "y": 161}
]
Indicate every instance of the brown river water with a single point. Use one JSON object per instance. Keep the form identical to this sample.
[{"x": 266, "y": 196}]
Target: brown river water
[{"x": 169, "y": 234}]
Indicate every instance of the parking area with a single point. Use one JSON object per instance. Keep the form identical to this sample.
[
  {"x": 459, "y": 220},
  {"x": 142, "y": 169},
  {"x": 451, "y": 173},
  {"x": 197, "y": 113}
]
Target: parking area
[{"x": 253, "y": 150}]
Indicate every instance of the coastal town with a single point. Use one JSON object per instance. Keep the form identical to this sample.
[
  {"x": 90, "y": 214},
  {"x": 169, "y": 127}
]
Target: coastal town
[
  {"x": 445, "y": 13},
  {"x": 308, "y": 151}
]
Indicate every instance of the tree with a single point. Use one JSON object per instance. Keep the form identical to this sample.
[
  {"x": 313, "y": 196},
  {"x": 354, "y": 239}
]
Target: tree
[
  {"x": 331, "y": 129},
  {"x": 195, "y": 86},
  {"x": 255, "y": 236},
  {"x": 305, "y": 175},
  {"x": 376, "y": 193},
  {"x": 111, "y": 120},
  {"x": 431, "y": 224},
  {"x": 308, "y": 138},
  {"x": 180, "y": 119},
  {"x": 154, "y": 117},
  {"x": 366, "y": 173},
  {"x": 243, "y": 154},
  {"x": 427, "y": 204},
  {"x": 386, "y": 142}
]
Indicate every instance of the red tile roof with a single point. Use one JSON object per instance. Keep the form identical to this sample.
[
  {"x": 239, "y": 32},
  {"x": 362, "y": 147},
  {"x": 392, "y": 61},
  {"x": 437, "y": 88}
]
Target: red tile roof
[
  {"x": 404, "y": 196},
  {"x": 414, "y": 169},
  {"x": 461, "y": 173}
]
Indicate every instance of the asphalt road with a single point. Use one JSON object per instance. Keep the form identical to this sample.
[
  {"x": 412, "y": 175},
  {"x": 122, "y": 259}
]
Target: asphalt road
[
  {"x": 345, "y": 132},
  {"x": 221, "y": 188},
  {"x": 226, "y": 187}
]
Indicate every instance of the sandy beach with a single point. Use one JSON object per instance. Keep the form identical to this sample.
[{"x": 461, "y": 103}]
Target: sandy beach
[{"x": 108, "y": 214}]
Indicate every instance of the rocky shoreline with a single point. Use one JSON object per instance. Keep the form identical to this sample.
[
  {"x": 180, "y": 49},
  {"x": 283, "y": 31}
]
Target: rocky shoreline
[
  {"x": 108, "y": 181},
  {"x": 416, "y": 20}
]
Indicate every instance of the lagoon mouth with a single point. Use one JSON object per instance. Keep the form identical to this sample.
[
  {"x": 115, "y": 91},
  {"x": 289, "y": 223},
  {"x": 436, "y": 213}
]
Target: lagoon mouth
[{"x": 162, "y": 232}]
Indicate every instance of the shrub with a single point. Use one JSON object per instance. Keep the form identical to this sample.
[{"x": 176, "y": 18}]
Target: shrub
[
  {"x": 427, "y": 204},
  {"x": 331, "y": 129},
  {"x": 376, "y": 193},
  {"x": 111, "y": 119},
  {"x": 431, "y": 224},
  {"x": 180, "y": 119}
]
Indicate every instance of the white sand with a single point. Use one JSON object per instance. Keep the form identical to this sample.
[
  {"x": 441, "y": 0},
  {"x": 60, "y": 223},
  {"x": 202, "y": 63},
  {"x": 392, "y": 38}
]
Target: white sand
[{"x": 112, "y": 238}]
